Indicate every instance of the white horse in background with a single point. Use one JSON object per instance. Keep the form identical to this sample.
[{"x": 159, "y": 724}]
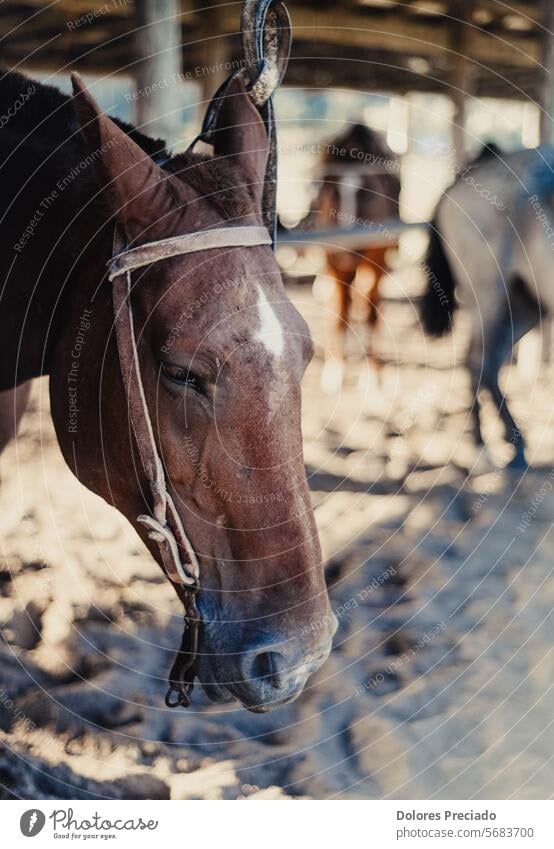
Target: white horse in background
[{"x": 492, "y": 248}]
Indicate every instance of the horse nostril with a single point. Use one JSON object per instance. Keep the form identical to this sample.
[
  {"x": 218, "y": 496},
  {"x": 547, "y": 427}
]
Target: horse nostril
[{"x": 269, "y": 665}]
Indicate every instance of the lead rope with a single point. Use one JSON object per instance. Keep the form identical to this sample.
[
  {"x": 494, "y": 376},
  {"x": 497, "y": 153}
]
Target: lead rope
[{"x": 266, "y": 38}]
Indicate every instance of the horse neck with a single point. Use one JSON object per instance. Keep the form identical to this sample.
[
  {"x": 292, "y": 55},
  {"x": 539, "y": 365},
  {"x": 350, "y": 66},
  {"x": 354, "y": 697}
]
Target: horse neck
[{"x": 57, "y": 247}]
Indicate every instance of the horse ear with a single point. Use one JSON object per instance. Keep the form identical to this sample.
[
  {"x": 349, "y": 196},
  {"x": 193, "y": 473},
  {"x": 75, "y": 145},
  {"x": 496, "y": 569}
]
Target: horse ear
[
  {"x": 138, "y": 192},
  {"x": 240, "y": 136}
]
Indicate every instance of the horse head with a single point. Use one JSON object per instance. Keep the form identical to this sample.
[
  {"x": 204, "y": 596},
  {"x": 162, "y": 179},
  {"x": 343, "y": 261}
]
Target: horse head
[{"x": 222, "y": 351}]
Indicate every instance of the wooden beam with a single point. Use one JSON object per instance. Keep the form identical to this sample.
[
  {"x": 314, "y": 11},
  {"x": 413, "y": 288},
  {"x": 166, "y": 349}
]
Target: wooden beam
[
  {"x": 409, "y": 36},
  {"x": 513, "y": 7}
]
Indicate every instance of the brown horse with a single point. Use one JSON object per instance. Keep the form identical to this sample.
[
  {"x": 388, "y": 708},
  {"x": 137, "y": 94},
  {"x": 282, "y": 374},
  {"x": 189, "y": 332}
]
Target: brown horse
[
  {"x": 220, "y": 348},
  {"x": 359, "y": 185}
]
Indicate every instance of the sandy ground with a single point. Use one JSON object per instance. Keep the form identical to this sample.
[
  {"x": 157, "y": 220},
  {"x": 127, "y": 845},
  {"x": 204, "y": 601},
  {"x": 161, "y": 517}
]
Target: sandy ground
[{"x": 439, "y": 685}]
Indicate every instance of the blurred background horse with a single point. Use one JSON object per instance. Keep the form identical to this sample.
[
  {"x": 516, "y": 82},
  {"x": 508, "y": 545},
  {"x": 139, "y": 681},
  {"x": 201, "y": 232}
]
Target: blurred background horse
[
  {"x": 491, "y": 246},
  {"x": 358, "y": 184}
]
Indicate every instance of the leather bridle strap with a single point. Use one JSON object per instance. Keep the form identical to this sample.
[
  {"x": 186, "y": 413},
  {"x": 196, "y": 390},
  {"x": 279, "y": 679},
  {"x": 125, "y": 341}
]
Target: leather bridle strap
[
  {"x": 165, "y": 525},
  {"x": 201, "y": 240}
]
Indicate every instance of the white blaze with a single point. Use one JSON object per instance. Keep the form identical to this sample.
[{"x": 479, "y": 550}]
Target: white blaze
[{"x": 270, "y": 332}]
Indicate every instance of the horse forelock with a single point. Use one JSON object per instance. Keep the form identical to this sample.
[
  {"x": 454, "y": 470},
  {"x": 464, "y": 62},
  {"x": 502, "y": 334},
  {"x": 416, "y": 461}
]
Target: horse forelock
[{"x": 216, "y": 180}]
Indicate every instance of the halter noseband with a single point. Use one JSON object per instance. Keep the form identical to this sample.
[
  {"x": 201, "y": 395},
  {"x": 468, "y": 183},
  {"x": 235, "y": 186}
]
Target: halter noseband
[{"x": 165, "y": 525}]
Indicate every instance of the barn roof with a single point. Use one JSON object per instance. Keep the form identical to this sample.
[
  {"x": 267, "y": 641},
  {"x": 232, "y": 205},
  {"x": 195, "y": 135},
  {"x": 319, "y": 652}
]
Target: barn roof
[{"x": 363, "y": 44}]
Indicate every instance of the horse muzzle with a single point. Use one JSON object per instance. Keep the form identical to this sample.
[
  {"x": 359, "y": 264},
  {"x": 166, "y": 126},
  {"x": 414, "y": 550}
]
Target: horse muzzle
[{"x": 261, "y": 677}]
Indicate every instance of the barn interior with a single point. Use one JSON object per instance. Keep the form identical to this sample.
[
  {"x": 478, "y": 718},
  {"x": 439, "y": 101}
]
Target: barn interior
[{"x": 438, "y": 682}]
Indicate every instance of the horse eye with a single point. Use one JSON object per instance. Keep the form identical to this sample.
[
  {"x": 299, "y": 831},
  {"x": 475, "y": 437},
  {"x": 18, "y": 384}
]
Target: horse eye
[{"x": 182, "y": 376}]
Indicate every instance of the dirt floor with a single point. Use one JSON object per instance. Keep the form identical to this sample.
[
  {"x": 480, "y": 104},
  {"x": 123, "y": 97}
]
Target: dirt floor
[{"x": 439, "y": 685}]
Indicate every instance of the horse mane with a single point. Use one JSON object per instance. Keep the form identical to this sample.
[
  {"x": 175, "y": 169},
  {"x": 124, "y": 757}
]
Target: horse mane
[
  {"x": 47, "y": 125},
  {"x": 216, "y": 179},
  {"x": 490, "y": 150}
]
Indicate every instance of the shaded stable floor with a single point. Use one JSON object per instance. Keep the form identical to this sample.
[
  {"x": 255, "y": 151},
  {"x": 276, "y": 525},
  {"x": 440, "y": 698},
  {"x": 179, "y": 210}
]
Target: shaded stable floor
[{"x": 440, "y": 681}]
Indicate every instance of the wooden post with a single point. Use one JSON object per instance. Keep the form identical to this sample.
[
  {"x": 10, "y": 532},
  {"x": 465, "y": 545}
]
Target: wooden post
[
  {"x": 159, "y": 86},
  {"x": 547, "y": 93},
  {"x": 461, "y": 76},
  {"x": 547, "y": 131}
]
